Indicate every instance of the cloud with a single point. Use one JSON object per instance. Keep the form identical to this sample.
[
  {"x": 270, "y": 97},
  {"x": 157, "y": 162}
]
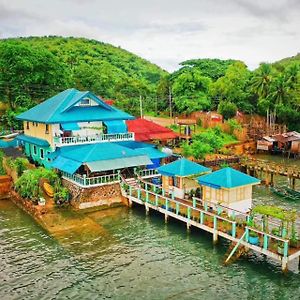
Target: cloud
[{"x": 165, "y": 31}]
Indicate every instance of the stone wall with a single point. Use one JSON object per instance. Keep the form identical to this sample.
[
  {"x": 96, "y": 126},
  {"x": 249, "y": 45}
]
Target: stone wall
[{"x": 101, "y": 196}]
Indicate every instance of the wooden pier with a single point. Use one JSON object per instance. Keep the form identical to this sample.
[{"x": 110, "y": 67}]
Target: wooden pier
[
  {"x": 265, "y": 170},
  {"x": 221, "y": 222}
]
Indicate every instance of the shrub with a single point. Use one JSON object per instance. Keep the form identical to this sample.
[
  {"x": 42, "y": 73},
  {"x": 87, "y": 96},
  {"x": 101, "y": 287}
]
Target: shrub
[
  {"x": 61, "y": 196},
  {"x": 28, "y": 184},
  {"x": 2, "y": 171},
  {"x": 233, "y": 125},
  {"x": 19, "y": 164},
  {"x": 227, "y": 109}
]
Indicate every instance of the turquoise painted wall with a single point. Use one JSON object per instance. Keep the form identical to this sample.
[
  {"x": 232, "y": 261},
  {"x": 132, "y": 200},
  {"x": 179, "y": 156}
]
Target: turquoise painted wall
[{"x": 35, "y": 152}]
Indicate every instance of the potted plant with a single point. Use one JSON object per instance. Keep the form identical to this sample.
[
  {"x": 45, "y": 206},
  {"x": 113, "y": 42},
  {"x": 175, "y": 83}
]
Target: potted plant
[
  {"x": 253, "y": 238},
  {"x": 280, "y": 247}
]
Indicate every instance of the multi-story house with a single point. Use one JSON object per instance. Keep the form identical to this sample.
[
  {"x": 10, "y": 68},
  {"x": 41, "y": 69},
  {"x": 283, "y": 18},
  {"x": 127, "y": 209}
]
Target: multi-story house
[{"x": 83, "y": 137}]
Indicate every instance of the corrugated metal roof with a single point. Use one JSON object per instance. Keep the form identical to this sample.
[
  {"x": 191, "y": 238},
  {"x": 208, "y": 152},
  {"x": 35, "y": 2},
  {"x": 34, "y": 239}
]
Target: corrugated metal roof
[
  {"x": 145, "y": 130},
  {"x": 227, "y": 178},
  {"x": 67, "y": 165},
  {"x": 61, "y": 109},
  {"x": 182, "y": 167},
  {"x": 119, "y": 163}
]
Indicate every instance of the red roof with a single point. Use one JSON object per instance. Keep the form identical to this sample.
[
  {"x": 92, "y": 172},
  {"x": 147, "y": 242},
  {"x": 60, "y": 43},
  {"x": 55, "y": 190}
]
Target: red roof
[{"x": 145, "y": 130}]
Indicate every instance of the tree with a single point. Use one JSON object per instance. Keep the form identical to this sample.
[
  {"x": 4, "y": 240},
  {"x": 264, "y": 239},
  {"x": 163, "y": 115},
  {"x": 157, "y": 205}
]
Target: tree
[
  {"x": 227, "y": 109},
  {"x": 28, "y": 72},
  {"x": 234, "y": 87},
  {"x": 190, "y": 91}
]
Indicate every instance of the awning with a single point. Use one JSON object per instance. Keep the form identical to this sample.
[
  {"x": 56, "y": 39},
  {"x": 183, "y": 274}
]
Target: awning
[
  {"x": 67, "y": 165},
  {"x": 118, "y": 163},
  {"x": 116, "y": 126},
  {"x": 70, "y": 126},
  {"x": 33, "y": 140}
]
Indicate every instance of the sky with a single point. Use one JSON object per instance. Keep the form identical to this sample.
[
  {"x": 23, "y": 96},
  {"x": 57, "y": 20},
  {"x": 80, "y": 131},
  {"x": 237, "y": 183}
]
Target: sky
[{"x": 166, "y": 32}]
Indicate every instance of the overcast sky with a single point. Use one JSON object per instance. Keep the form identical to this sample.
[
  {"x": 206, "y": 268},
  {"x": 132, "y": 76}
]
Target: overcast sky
[{"x": 166, "y": 32}]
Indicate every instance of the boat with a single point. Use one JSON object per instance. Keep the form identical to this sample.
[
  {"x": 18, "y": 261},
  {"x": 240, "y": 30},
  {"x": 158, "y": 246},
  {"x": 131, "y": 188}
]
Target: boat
[
  {"x": 283, "y": 193},
  {"x": 292, "y": 192},
  {"x": 48, "y": 189}
]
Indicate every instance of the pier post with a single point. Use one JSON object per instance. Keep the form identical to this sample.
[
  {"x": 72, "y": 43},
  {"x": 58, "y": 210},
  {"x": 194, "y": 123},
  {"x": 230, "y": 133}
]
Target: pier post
[
  {"x": 166, "y": 218},
  {"x": 272, "y": 179},
  {"x": 284, "y": 264},
  {"x": 147, "y": 209},
  {"x": 188, "y": 225},
  {"x": 129, "y": 202},
  {"x": 293, "y": 183},
  {"x": 215, "y": 233}
]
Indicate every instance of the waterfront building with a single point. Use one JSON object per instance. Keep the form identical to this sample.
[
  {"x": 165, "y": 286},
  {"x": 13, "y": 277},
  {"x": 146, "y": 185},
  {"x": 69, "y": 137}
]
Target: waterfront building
[
  {"x": 228, "y": 187},
  {"x": 178, "y": 177},
  {"x": 79, "y": 134}
]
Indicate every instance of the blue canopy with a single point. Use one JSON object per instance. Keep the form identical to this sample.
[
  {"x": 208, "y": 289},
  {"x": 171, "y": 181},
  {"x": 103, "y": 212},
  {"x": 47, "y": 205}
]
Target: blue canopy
[
  {"x": 116, "y": 126},
  {"x": 33, "y": 140},
  {"x": 182, "y": 167},
  {"x": 65, "y": 164},
  {"x": 70, "y": 126},
  {"x": 227, "y": 178}
]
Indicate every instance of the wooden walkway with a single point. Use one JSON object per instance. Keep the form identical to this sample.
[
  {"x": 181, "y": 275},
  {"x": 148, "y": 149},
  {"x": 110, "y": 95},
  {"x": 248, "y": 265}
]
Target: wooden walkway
[
  {"x": 198, "y": 214},
  {"x": 266, "y": 170}
]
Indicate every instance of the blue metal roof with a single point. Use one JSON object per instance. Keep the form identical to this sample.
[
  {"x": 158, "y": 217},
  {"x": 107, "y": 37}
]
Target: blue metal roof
[
  {"x": 182, "y": 167},
  {"x": 103, "y": 156},
  {"x": 227, "y": 178},
  {"x": 33, "y": 140},
  {"x": 67, "y": 165},
  {"x": 62, "y": 108}
]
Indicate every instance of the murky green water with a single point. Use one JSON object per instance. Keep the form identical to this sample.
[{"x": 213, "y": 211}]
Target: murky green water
[{"x": 134, "y": 257}]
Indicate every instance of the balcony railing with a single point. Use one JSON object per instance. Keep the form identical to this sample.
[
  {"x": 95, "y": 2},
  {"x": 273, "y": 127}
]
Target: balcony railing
[
  {"x": 85, "y": 182},
  {"x": 91, "y": 139},
  {"x": 148, "y": 173}
]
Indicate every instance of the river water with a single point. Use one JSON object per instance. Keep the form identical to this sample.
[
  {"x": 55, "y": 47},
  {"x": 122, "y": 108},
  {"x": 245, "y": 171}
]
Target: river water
[{"x": 128, "y": 255}]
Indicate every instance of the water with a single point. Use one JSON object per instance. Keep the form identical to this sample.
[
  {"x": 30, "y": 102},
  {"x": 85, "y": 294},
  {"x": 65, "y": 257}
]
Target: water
[{"x": 122, "y": 254}]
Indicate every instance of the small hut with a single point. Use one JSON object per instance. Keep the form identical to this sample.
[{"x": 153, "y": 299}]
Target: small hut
[
  {"x": 228, "y": 187},
  {"x": 178, "y": 177}
]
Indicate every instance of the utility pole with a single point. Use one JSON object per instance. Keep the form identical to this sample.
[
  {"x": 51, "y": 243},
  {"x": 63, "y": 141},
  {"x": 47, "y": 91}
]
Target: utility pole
[
  {"x": 141, "y": 107},
  {"x": 170, "y": 101}
]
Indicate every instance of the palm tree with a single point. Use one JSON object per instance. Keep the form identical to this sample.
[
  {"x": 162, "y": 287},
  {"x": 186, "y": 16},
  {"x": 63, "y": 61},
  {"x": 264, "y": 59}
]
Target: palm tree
[{"x": 261, "y": 80}]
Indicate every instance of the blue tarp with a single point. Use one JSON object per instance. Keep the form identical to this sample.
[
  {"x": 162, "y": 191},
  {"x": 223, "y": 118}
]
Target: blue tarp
[
  {"x": 8, "y": 144},
  {"x": 116, "y": 126},
  {"x": 67, "y": 165},
  {"x": 70, "y": 126}
]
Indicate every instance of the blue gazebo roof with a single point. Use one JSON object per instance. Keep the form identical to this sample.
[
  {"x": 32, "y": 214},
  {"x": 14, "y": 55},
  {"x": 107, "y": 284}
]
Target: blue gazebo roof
[
  {"x": 182, "y": 168},
  {"x": 227, "y": 178}
]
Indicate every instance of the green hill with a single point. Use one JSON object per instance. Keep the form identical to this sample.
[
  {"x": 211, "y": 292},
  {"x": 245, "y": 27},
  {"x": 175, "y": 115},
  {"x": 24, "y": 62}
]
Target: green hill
[{"x": 107, "y": 70}]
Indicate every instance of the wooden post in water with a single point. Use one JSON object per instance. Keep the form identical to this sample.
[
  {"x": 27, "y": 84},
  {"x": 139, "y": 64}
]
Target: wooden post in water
[
  {"x": 215, "y": 233},
  {"x": 147, "y": 209}
]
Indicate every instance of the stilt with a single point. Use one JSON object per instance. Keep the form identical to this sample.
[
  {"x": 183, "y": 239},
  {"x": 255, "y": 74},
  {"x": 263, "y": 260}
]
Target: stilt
[
  {"x": 188, "y": 227},
  {"x": 129, "y": 203},
  {"x": 166, "y": 218},
  {"x": 284, "y": 264},
  {"x": 272, "y": 179},
  {"x": 147, "y": 210},
  {"x": 293, "y": 183},
  {"x": 215, "y": 237}
]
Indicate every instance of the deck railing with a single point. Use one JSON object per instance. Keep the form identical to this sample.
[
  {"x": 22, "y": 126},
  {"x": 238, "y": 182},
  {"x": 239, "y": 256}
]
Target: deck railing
[
  {"x": 191, "y": 212},
  {"x": 85, "y": 182},
  {"x": 148, "y": 173},
  {"x": 90, "y": 139}
]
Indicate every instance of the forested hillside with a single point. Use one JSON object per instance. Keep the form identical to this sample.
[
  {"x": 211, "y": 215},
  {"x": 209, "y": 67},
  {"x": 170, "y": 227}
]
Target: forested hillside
[{"x": 35, "y": 68}]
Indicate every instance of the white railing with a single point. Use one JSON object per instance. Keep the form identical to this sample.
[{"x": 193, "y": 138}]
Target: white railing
[
  {"x": 85, "y": 182},
  {"x": 148, "y": 173},
  {"x": 90, "y": 139}
]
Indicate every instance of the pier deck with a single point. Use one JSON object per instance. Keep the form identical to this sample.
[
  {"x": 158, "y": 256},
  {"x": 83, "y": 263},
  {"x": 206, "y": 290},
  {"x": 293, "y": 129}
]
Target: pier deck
[{"x": 223, "y": 222}]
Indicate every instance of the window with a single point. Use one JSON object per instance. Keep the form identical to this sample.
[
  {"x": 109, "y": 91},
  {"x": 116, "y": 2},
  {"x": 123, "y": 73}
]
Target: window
[
  {"x": 42, "y": 154},
  {"x": 85, "y": 102},
  {"x": 27, "y": 125},
  {"x": 47, "y": 129},
  {"x": 48, "y": 159},
  {"x": 34, "y": 149}
]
